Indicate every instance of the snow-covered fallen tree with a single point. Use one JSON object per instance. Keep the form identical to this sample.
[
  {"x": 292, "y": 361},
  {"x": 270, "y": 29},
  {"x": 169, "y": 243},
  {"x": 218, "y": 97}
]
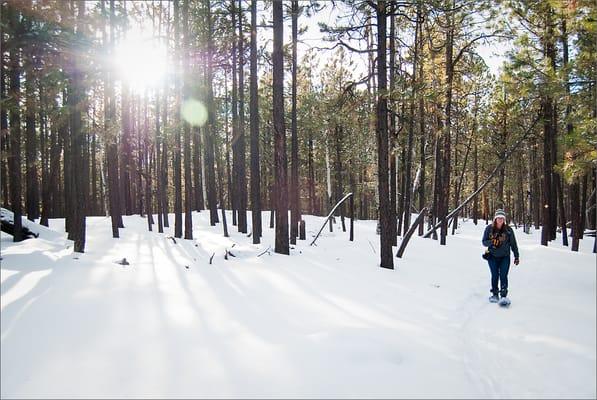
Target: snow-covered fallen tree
[{"x": 7, "y": 225}]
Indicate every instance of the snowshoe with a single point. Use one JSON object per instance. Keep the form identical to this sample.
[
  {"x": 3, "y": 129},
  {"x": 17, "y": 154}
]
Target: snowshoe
[{"x": 504, "y": 302}]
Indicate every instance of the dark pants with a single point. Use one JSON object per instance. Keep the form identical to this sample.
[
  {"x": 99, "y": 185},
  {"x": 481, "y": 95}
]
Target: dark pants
[{"x": 499, "y": 267}]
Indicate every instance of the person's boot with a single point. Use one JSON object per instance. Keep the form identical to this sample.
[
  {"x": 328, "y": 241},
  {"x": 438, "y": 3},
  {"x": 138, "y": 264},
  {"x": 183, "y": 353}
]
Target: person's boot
[
  {"x": 504, "y": 301},
  {"x": 494, "y": 298}
]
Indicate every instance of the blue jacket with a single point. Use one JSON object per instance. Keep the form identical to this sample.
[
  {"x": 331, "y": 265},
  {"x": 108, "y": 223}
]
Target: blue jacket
[{"x": 507, "y": 242}]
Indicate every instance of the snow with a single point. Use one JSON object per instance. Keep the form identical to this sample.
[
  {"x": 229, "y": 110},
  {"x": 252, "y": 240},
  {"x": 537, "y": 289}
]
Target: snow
[{"x": 322, "y": 322}]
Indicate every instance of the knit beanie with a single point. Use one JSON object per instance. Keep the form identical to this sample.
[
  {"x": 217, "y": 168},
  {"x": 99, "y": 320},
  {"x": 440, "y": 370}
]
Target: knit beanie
[{"x": 499, "y": 213}]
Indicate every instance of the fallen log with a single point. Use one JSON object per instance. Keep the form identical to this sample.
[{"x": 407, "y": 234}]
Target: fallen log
[
  {"x": 330, "y": 216},
  {"x": 410, "y": 231},
  {"x": 7, "y": 225}
]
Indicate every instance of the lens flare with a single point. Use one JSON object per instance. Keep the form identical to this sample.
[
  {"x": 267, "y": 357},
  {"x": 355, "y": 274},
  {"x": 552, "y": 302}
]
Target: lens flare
[{"x": 194, "y": 112}]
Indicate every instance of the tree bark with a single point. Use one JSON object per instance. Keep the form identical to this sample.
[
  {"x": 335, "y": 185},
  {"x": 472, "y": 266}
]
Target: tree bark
[
  {"x": 198, "y": 201},
  {"x": 254, "y": 121},
  {"x": 31, "y": 152},
  {"x": 234, "y": 191},
  {"x": 280, "y": 161},
  {"x": 242, "y": 176},
  {"x": 382, "y": 140},
  {"x": 14, "y": 92},
  {"x": 547, "y": 108},
  {"x": 5, "y": 136},
  {"x": 393, "y": 149},
  {"x": 295, "y": 214},
  {"x": 411, "y": 126},
  {"x": 77, "y": 136},
  {"x": 446, "y": 134},
  {"x": 176, "y": 129},
  {"x": 188, "y": 179},
  {"x": 211, "y": 125}
]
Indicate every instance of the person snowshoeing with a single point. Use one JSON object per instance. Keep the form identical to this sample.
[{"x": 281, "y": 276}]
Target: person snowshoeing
[{"x": 500, "y": 240}]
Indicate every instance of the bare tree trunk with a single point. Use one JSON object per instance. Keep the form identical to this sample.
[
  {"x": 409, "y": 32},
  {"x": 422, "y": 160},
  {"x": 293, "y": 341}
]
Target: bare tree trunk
[
  {"x": 411, "y": 127},
  {"x": 177, "y": 144},
  {"x": 14, "y": 92},
  {"x": 311, "y": 172},
  {"x": 31, "y": 153},
  {"x": 387, "y": 260},
  {"x": 234, "y": 191},
  {"x": 295, "y": 214},
  {"x": 5, "y": 137},
  {"x": 254, "y": 121},
  {"x": 198, "y": 201},
  {"x": 446, "y": 136},
  {"x": 242, "y": 176},
  {"x": 280, "y": 162},
  {"x": 211, "y": 125},
  {"x": 188, "y": 179},
  {"x": 76, "y": 103},
  {"x": 547, "y": 109},
  {"x": 393, "y": 149}
]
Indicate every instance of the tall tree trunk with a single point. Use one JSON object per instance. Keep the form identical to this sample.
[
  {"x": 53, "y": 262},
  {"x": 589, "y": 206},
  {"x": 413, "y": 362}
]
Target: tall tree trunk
[
  {"x": 228, "y": 145},
  {"x": 14, "y": 92},
  {"x": 254, "y": 120},
  {"x": 547, "y": 108},
  {"x": 45, "y": 157},
  {"x": 503, "y": 134},
  {"x": 338, "y": 133},
  {"x": 109, "y": 131},
  {"x": 562, "y": 214},
  {"x": 221, "y": 186},
  {"x": 94, "y": 206},
  {"x": 177, "y": 144},
  {"x": 234, "y": 191},
  {"x": 76, "y": 104},
  {"x": 393, "y": 149},
  {"x": 198, "y": 201},
  {"x": 575, "y": 208},
  {"x": 311, "y": 172},
  {"x": 242, "y": 176},
  {"x": 411, "y": 127},
  {"x": 164, "y": 201},
  {"x": 31, "y": 152},
  {"x": 475, "y": 181},
  {"x": 157, "y": 145},
  {"x": 295, "y": 214},
  {"x": 583, "y": 206},
  {"x": 5, "y": 137},
  {"x": 382, "y": 140},
  {"x": 188, "y": 180},
  {"x": 446, "y": 136},
  {"x": 280, "y": 159},
  {"x": 165, "y": 204},
  {"x": 421, "y": 117},
  {"x": 210, "y": 131}
]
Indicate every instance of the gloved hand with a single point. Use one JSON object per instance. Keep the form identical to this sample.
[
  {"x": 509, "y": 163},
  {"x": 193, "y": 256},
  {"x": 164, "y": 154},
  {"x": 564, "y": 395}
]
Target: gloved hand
[
  {"x": 495, "y": 242},
  {"x": 516, "y": 261}
]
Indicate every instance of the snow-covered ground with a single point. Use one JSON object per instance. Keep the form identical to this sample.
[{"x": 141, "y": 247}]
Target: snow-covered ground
[{"x": 322, "y": 322}]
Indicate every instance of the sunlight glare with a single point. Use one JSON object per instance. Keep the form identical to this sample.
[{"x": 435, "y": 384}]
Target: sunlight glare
[
  {"x": 141, "y": 62},
  {"x": 194, "y": 112}
]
